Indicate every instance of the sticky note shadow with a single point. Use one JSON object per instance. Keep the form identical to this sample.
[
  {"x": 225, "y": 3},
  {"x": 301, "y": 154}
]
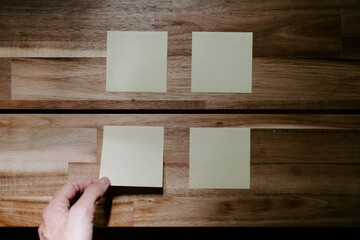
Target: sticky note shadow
[
  {"x": 104, "y": 205},
  {"x": 121, "y": 191}
]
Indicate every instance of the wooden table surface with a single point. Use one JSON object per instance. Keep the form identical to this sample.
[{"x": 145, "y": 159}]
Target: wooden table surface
[
  {"x": 304, "y": 170},
  {"x": 305, "y": 129},
  {"x": 53, "y": 54}
]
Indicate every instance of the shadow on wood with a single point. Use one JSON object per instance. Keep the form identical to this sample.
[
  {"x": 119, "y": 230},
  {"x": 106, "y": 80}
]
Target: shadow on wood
[
  {"x": 103, "y": 211},
  {"x": 120, "y": 191},
  {"x": 104, "y": 205}
]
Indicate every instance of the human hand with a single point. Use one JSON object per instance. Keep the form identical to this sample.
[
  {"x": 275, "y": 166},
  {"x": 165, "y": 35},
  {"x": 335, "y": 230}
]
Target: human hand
[{"x": 66, "y": 222}]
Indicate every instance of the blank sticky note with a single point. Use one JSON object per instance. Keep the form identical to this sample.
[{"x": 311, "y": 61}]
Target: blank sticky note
[
  {"x": 220, "y": 158},
  {"x": 221, "y": 62},
  {"x": 136, "y": 61},
  {"x": 133, "y": 156}
]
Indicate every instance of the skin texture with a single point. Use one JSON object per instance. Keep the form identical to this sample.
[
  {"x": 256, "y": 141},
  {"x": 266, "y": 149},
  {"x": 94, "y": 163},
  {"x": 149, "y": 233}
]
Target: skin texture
[{"x": 64, "y": 221}]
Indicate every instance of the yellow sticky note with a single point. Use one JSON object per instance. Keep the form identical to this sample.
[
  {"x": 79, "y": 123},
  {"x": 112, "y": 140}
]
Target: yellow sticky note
[
  {"x": 133, "y": 156},
  {"x": 136, "y": 61},
  {"x": 220, "y": 158},
  {"x": 221, "y": 62}
]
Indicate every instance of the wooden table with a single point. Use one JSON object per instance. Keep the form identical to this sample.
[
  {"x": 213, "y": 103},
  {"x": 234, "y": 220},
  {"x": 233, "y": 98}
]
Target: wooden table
[{"x": 305, "y": 136}]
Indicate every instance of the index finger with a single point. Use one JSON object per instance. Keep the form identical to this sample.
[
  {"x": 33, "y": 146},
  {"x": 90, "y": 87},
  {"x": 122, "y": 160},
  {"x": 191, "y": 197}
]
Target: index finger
[
  {"x": 63, "y": 197},
  {"x": 92, "y": 193}
]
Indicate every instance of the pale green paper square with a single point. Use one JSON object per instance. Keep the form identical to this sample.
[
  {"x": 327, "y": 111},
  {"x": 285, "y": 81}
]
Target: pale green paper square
[
  {"x": 136, "y": 61},
  {"x": 133, "y": 156},
  {"x": 221, "y": 62},
  {"x": 219, "y": 158}
]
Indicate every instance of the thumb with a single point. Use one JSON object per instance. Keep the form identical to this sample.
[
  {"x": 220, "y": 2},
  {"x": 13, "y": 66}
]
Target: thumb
[{"x": 91, "y": 194}]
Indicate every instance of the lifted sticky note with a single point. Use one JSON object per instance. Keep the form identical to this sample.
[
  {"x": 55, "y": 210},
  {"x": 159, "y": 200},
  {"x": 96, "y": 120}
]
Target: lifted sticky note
[{"x": 133, "y": 156}]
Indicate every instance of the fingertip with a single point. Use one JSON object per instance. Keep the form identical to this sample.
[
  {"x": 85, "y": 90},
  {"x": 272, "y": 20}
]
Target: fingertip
[
  {"x": 105, "y": 180},
  {"x": 91, "y": 194}
]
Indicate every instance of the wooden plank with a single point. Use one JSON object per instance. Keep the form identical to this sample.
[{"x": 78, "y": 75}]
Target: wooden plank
[
  {"x": 295, "y": 83},
  {"x": 51, "y": 145},
  {"x": 79, "y": 7},
  {"x": 286, "y": 178},
  {"x": 26, "y": 211},
  {"x": 276, "y": 166},
  {"x": 305, "y": 146},
  {"x": 304, "y": 167},
  {"x": 100, "y": 136},
  {"x": 5, "y": 79},
  {"x": 350, "y": 6},
  {"x": 291, "y": 178},
  {"x": 153, "y": 214},
  {"x": 334, "y": 179},
  {"x": 31, "y": 178},
  {"x": 84, "y": 106},
  {"x": 320, "y": 183},
  {"x": 77, "y": 170},
  {"x": 271, "y": 21},
  {"x": 254, "y": 121},
  {"x": 71, "y": 29},
  {"x": 113, "y": 104},
  {"x": 281, "y": 161},
  {"x": 276, "y": 33},
  {"x": 43, "y": 49},
  {"x": 120, "y": 213},
  {"x": 318, "y": 106},
  {"x": 176, "y": 159},
  {"x": 248, "y": 210},
  {"x": 62, "y": 79},
  {"x": 350, "y": 30},
  {"x": 289, "y": 82},
  {"x": 35, "y": 161},
  {"x": 234, "y": 7}
]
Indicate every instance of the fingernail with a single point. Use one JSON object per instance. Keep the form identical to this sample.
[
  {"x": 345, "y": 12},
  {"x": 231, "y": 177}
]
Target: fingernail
[{"x": 105, "y": 180}]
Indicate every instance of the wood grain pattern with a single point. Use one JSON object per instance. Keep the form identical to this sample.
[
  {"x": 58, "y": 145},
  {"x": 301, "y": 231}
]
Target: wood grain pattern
[
  {"x": 273, "y": 36},
  {"x": 256, "y": 121},
  {"x": 31, "y": 178},
  {"x": 35, "y": 161},
  {"x": 350, "y": 41},
  {"x": 71, "y": 29},
  {"x": 289, "y": 178},
  {"x": 297, "y": 146},
  {"x": 24, "y": 211},
  {"x": 77, "y": 170},
  {"x": 61, "y": 145},
  {"x": 281, "y": 161},
  {"x": 304, "y": 172},
  {"x": 5, "y": 79},
  {"x": 119, "y": 105},
  {"x": 248, "y": 210},
  {"x": 305, "y": 168},
  {"x": 275, "y": 167},
  {"x": 276, "y": 33},
  {"x": 234, "y": 7},
  {"x": 299, "y": 48},
  {"x": 289, "y": 81}
]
